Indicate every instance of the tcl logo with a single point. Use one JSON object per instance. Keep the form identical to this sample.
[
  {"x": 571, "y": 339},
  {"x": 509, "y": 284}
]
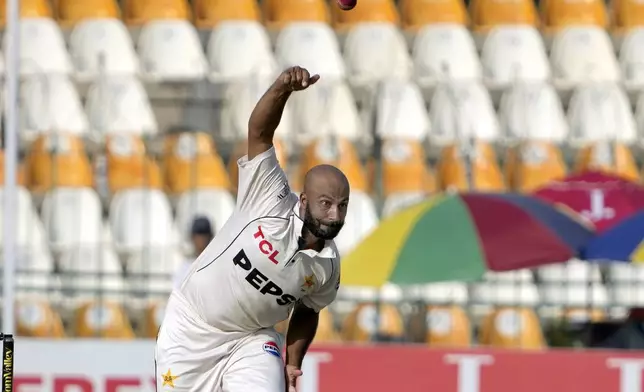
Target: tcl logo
[
  {"x": 266, "y": 247},
  {"x": 83, "y": 384}
]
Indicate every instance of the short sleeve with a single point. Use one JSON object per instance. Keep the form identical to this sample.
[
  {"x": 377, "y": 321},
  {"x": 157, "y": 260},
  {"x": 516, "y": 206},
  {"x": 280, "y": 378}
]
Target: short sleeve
[
  {"x": 326, "y": 294},
  {"x": 263, "y": 188}
]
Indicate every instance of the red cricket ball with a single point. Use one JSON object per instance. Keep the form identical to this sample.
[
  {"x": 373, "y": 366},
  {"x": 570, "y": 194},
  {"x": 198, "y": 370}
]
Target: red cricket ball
[{"x": 347, "y": 5}]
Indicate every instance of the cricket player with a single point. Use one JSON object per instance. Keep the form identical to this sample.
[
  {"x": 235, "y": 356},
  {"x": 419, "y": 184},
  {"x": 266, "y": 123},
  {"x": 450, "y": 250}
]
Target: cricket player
[{"x": 275, "y": 254}]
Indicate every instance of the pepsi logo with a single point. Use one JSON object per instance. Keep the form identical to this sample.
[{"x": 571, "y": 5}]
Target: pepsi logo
[{"x": 273, "y": 349}]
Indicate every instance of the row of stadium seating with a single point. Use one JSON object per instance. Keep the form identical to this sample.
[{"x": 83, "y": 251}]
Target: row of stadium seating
[
  {"x": 190, "y": 161},
  {"x": 450, "y": 325},
  {"x": 412, "y": 14},
  {"x": 513, "y": 59},
  {"x": 235, "y": 49}
]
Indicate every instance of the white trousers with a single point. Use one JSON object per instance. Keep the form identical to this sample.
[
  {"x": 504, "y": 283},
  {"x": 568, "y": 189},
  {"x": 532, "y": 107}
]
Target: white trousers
[{"x": 192, "y": 356}]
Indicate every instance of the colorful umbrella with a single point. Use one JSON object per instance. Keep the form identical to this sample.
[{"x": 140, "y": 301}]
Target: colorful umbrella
[
  {"x": 459, "y": 237},
  {"x": 623, "y": 242},
  {"x": 602, "y": 198}
]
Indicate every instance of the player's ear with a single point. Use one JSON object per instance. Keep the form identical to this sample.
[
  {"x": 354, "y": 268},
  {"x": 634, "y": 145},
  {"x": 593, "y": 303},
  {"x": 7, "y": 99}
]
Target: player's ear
[{"x": 303, "y": 199}]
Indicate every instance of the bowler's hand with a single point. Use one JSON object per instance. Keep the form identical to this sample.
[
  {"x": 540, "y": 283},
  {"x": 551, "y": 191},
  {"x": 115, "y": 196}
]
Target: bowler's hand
[
  {"x": 297, "y": 79},
  {"x": 292, "y": 373}
]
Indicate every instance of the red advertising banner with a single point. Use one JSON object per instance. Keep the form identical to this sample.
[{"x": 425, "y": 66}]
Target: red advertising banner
[{"x": 105, "y": 366}]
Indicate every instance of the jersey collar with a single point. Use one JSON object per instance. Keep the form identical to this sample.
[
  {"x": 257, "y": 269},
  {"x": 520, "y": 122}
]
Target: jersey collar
[{"x": 328, "y": 252}]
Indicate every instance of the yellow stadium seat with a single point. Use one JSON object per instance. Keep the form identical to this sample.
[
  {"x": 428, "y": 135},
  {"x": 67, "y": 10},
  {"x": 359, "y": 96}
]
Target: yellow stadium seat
[
  {"x": 404, "y": 168},
  {"x": 532, "y": 164},
  {"x": 191, "y": 161},
  {"x": 241, "y": 149},
  {"x": 71, "y": 12},
  {"x": 208, "y": 13},
  {"x": 366, "y": 322},
  {"x": 365, "y": 11},
  {"x": 627, "y": 14},
  {"x": 448, "y": 326},
  {"x": 28, "y": 9},
  {"x": 326, "y": 332},
  {"x": 512, "y": 328},
  {"x": 557, "y": 14},
  {"x": 418, "y": 13},
  {"x": 471, "y": 167},
  {"x": 610, "y": 157},
  {"x": 153, "y": 318},
  {"x": 128, "y": 166},
  {"x": 102, "y": 320},
  {"x": 338, "y": 152},
  {"x": 20, "y": 175},
  {"x": 38, "y": 319},
  {"x": 139, "y": 12},
  {"x": 278, "y": 13},
  {"x": 487, "y": 14},
  {"x": 58, "y": 160}
]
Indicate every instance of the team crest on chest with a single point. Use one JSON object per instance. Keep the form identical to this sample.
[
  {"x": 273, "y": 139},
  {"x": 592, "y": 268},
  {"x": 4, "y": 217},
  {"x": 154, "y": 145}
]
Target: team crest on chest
[{"x": 309, "y": 283}]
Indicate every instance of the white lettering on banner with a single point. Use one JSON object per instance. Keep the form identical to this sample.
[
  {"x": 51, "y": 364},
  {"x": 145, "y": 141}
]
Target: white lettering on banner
[
  {"x": 598, "y": 210},
  {"x": 630, "y": 373},
  {"x": 469, "y": 370},
  {"x": 310, "y": 380}
]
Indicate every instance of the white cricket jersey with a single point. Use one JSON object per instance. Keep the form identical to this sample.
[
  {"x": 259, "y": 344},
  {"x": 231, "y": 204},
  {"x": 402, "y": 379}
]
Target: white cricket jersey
[{"x": 253, "y": 272}]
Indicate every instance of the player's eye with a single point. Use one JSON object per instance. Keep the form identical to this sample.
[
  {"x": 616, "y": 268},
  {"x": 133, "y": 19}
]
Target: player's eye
[{"x": 325, "y": 203}]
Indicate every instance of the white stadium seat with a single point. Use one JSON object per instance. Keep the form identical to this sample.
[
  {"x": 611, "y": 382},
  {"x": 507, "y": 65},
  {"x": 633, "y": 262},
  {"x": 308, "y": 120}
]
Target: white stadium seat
[
  {"x": 639, "y": 114},
  {"x": 42, "y": 48},
  {"x": 401, "y": 112},
  {"x": 533, "y": 111},
  {"x": 583, "y": 54},
  {"x": 598, "y": 112},
  {"x": 517, "y": 276},
  {"x": 313, "y": 46},
  {"x": 445, "y": 53},
  {"x": 90, "y": 268},
  {"x": 242, "y": 99},
  {"x": 505, "y": 294},
  {"x": 512, "y": 54},
  {"x": 72, "y": 217},
  {"x": 625, "y": 273},
  {"x": 627, "y": 295},
  {"x": 33, "y": 260},
  {"x": 102, "y": 46},
  {"x": 445, "y": 293},
  {"x": 170, "y": 51},
  {"x": 150, "y": 270},
  {"x": 140, "y": 219},
  {"x": 631, "y": 59},
  {"x": 375, "y": 52},
  {"x": 462, "y": 110},
  {"x": 580, "y": 294},
  {"x": 215, "y": 204},
  {"x": 399, "y": 201},
  {"x": 119, "y": 104},
  {"x": 572, "y": 271},
  {"x": 50, "y": 103},
  {"x": 238, "y": 49},
  {"x": 327, "y": 109},
  {"x": 361, "y": 219}
]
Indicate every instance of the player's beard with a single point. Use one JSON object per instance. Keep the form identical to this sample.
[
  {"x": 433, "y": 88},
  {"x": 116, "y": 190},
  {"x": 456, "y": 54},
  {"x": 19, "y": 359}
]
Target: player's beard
[{"x": 320, "y": 229}]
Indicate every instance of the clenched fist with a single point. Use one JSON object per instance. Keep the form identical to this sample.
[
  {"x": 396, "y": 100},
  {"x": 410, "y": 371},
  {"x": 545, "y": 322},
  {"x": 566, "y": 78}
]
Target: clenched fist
[{"x": 297, "y": 79}]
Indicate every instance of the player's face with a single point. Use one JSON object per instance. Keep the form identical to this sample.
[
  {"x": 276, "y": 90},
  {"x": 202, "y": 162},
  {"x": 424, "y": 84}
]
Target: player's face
[{"x": 325, "y": 212}]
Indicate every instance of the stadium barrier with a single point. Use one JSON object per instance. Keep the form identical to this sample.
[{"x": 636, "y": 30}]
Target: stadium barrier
[{"x": 113, "y": 366}]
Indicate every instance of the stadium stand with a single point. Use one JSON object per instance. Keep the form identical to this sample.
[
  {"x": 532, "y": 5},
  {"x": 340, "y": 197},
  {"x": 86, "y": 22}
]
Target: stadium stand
[{"x": 416, "y": 97}]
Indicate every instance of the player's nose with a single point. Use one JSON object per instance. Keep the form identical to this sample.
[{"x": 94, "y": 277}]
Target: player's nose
[{"x": 333, "y": 213}]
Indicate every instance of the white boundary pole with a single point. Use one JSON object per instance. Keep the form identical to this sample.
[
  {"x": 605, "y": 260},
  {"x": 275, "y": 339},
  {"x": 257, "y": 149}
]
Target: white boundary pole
[{"x": 11, "y": 164}]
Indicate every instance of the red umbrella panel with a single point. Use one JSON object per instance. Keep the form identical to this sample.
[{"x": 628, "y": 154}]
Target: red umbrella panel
[{"x": 602, "y": 198}]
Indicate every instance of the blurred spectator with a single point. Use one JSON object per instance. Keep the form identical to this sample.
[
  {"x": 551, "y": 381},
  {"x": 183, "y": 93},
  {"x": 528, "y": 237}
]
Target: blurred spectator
[
  {"x": 202, "y": 234},
  {"x": 628, "y": 336}
]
